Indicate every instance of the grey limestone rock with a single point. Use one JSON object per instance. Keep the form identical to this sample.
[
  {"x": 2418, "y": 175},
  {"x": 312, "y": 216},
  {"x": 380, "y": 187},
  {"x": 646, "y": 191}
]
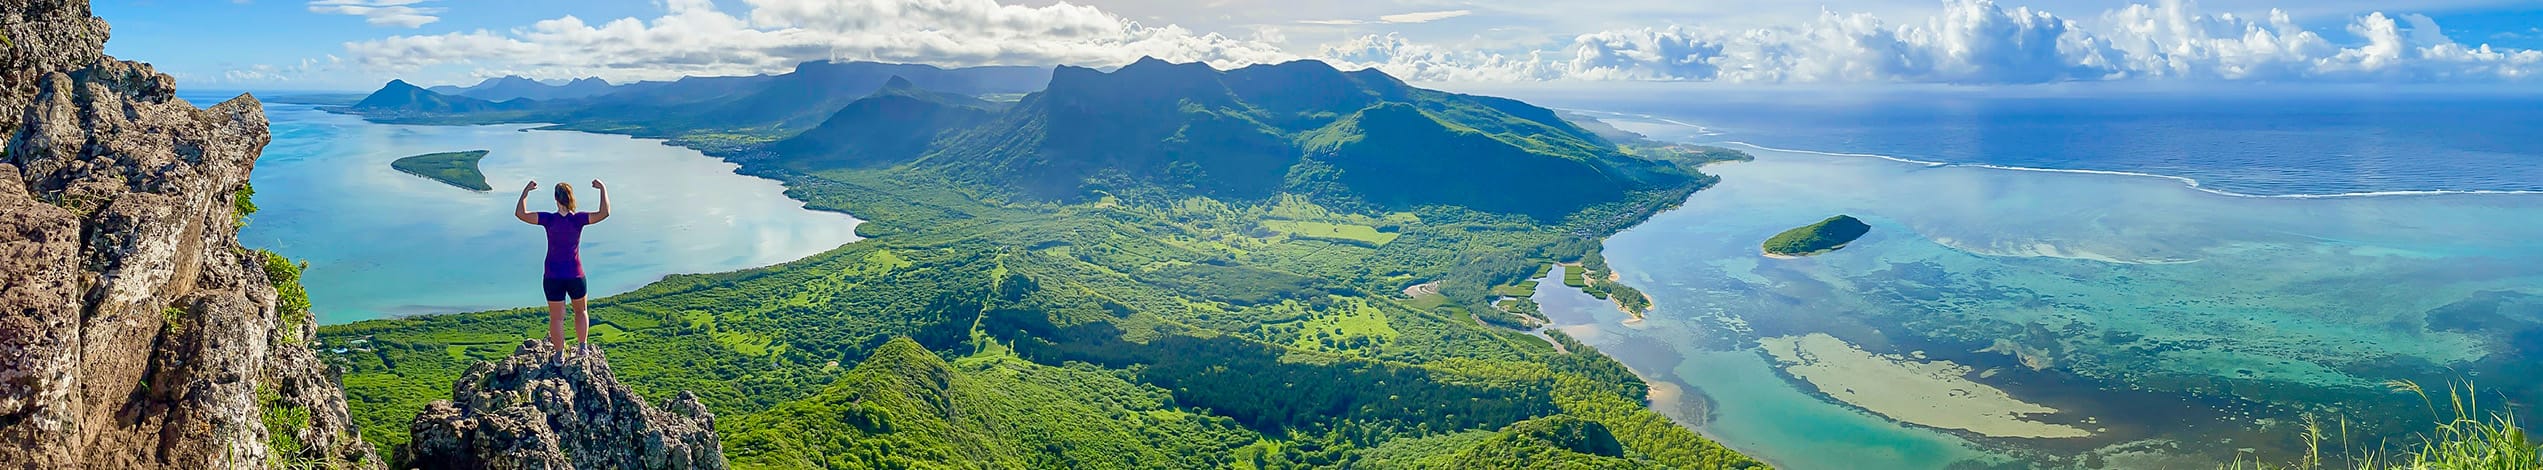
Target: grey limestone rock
[
  {"x": 135, "y": 332},
  {"x": 534, "y": 411}
]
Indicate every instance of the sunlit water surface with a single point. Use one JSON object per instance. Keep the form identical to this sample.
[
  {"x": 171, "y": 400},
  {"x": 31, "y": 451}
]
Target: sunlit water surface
[{"x": 383, "y": 243}]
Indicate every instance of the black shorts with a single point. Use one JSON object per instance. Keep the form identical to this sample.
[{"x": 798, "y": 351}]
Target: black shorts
[{"x": 560, "y": 289}]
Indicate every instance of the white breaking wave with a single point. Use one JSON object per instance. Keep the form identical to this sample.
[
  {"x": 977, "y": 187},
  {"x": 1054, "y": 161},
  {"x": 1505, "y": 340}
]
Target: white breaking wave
[{"x": 2192, "y": 183}]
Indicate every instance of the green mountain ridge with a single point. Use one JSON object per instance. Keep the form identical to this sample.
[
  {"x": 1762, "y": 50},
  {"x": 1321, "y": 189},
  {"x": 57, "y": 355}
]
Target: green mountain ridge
[
  {"x": 511, "y": 87},
  {"x": 1346, "y": 138},
  {"x": 745, "y": 109},
  {"x": 896, "y": 124}
]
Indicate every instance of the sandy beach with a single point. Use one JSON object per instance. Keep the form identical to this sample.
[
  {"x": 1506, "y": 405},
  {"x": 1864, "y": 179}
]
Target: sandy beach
[
  {"x": 1665, "y": 397},
  {"x": 1935, "y": 393}
]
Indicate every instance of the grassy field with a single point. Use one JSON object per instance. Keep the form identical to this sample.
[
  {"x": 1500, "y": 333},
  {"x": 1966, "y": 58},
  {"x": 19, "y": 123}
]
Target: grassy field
[
  {"x": 1428, "y": 301},
  {"x": 453, "y": 168},
  {"x": 1349, "y": 323},
  {"x": 1523, "y": 289},
  {"x": 1332, "y": 231}
]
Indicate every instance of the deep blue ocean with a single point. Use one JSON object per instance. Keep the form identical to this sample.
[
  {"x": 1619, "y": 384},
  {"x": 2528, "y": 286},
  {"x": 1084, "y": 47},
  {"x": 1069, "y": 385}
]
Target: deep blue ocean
[{"x": 2254, "y": 142}]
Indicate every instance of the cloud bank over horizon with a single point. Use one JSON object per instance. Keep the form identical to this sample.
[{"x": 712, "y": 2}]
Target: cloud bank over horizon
[
  {"x": 695, "y": 37},
  {"x": 1966, "y": 42},
  {"x": 396, "y": 13}
]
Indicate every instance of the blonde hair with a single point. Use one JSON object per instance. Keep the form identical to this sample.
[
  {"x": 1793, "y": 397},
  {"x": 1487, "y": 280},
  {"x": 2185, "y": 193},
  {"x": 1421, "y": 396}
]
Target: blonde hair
[{"x": 564, "y": 198}]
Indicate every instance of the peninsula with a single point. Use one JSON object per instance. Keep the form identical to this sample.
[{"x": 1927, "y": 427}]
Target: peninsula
[
  {"x": 1825, "y": 236},
  {"x": 453, "y": 168}
]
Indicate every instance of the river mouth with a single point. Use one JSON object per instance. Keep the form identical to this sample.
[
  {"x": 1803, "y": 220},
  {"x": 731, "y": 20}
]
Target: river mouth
[
  {"x": 2166, "y": 326},
  {"x": 381, "y": 243}
]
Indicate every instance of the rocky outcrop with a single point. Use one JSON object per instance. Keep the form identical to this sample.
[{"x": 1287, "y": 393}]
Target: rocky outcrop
[
  {"x": 135, "y": 332},
  {"x": 533, "y": 411}
]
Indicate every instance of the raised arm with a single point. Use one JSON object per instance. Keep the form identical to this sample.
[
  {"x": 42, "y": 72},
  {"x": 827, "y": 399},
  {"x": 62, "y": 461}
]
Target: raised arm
[
  {"x": 603, "y": 213},
  {"x": 521, "y": 207}
]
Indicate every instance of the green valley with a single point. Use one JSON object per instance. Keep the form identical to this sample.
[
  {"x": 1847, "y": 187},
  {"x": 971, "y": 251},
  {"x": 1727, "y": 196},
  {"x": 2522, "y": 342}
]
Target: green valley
[{"x": 1212, "y": 275}]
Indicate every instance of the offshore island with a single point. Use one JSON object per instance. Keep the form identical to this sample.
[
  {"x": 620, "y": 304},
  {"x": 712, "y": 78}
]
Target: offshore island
[
  {"x": 453, "y": 168},
  {"x": 1825, "y": 236}
]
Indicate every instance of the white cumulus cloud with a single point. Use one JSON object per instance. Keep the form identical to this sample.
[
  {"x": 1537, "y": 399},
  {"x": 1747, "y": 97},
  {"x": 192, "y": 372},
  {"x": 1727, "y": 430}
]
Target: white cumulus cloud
[
  {"x": 694, "y": 37},
  {"x": 1423, "y": 16},
  {"x": 1965, "y": 42},
  {"x": 1422, "y": 62},
  {"x": 1399, "y": 18},
  {"x": 399, "y": 13},
  {"x": 1978, "y": 41},
  {"x": 271, "y": 74}
]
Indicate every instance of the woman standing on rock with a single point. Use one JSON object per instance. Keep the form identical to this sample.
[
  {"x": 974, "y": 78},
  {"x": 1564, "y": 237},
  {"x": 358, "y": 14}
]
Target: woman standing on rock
[{"x": 564, "y": 278}]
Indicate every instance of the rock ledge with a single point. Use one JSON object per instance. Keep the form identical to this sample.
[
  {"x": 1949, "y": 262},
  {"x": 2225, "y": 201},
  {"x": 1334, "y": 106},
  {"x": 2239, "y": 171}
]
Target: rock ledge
[{"x": 531, "y": 411}]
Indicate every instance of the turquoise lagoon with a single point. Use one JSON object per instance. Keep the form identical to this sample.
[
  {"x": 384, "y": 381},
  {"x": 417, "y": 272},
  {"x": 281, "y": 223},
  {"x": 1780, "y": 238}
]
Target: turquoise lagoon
[
  {"x": 2183, "y": 326},
  {"x": 381, "y": 243}
]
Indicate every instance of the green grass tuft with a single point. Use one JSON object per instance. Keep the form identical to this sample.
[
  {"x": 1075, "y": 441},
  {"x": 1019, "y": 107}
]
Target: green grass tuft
[
  {"x": 2462, "y": 436},
  {"x": 242, "y": 204},
  {"x": 291, "y": 300},
  {"x": 283, "y": 423},
  {"x": 174, "y": 320}
]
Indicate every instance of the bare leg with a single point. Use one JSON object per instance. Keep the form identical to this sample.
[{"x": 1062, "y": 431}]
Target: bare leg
[
  {"x": 582, "y": 324},
  {"x": 556, "y": 325}
]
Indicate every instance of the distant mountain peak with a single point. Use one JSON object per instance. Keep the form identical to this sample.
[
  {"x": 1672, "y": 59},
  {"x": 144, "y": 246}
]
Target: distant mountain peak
[
  {"x": 1151, "y": 64},
  {"x": 402, "y": 97},
  {"x": 512, "y": 87},
  {"x": 898, "y": 83},
  {"x": 1309, "y": 65},
  {"x": 838, "y": 65}
]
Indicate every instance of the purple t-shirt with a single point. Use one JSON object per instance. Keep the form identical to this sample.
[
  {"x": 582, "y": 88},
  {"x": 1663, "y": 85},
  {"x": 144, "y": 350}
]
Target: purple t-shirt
[{"x": 564, "y": 242}]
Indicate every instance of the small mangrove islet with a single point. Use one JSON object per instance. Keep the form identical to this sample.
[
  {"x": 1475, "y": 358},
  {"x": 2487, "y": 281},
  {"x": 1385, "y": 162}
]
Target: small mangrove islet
[
  {"x": 1825, "y": 236},
  {"x": 453, "y": 168}
]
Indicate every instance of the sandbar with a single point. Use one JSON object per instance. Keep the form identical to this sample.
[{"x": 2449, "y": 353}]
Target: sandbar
[{"x": 1929, "y": 393}]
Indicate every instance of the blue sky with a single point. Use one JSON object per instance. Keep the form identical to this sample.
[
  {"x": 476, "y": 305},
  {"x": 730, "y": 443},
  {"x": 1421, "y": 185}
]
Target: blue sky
[{"x": 357, "y": 44}]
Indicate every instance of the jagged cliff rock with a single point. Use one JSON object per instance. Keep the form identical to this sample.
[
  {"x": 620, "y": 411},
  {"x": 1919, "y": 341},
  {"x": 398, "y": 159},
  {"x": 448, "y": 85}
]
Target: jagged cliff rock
[
  {"x": 532, "y": 411},
  {"x": 135, "y": 332}
]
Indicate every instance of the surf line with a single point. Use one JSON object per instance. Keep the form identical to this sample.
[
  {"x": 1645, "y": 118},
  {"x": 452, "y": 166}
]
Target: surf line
[{"x": 2192, "y": 183}]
